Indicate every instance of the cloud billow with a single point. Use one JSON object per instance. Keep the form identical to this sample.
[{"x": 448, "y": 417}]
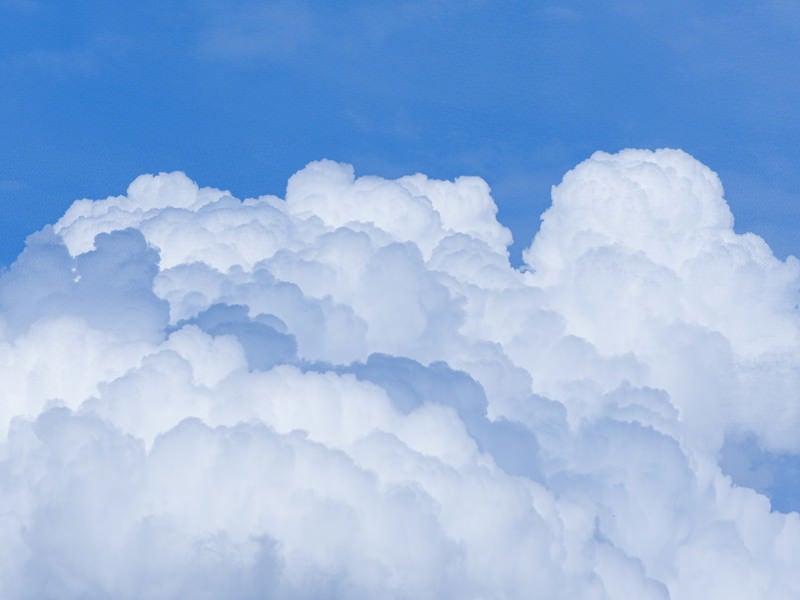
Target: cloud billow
[{"x": 351, "y": 393}]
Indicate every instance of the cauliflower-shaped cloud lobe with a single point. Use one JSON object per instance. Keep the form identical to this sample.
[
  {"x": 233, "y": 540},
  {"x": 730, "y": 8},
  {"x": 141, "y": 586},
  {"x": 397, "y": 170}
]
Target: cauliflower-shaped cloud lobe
[{"x": 352, "y": 393}]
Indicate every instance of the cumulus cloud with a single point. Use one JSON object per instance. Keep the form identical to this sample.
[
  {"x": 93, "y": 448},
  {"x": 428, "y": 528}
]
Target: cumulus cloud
[{"x": 350, "y": 392}]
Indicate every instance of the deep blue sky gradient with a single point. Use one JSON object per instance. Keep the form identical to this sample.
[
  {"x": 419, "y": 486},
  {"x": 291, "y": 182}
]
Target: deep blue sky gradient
[{"x": 242, "y": 94}]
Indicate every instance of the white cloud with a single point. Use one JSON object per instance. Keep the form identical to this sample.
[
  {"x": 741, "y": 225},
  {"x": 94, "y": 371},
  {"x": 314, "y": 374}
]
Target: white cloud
[{"x": 351, "y": 393}]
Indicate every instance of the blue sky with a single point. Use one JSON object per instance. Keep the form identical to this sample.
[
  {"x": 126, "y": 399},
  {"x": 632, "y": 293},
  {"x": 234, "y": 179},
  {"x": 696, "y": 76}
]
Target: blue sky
[{"x": 242, "y": 94}]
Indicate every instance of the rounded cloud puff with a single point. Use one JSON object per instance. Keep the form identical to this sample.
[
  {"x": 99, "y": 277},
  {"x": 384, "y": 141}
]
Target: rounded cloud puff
[
  {"x": 663, "y": 204},
  {"x": 350, "y": 392}
]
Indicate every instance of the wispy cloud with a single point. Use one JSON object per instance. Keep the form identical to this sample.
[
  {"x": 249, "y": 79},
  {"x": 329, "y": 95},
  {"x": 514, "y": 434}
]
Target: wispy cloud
[
  {"x": 12, "y": 185},
  {"x": 25, "y": 6},
  {"x": 83, "y": 59},
  {"x": 276, "y": 31},
  {"x": 288, "y": 29}
]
